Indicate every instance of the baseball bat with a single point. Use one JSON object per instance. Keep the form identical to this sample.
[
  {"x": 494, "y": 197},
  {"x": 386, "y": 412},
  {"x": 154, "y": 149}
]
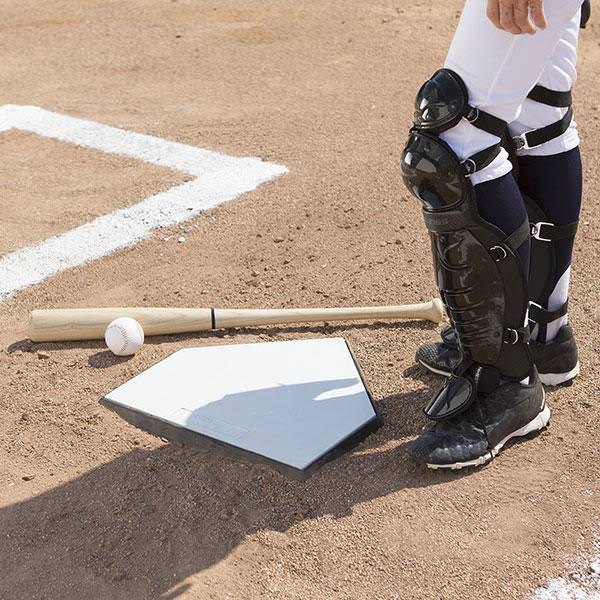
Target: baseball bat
[{"x": 68, "y": 324}]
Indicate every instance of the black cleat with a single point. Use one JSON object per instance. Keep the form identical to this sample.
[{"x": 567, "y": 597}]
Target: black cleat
[
  {"x": 556, "y": 361},
  {"x": 474, "y": 437},
  {"x": 439, "y": 357}
]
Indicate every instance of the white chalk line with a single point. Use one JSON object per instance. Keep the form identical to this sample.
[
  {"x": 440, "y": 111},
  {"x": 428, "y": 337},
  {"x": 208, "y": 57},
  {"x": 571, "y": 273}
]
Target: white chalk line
[
  {"x": 220, "y": 178},
  {"x": 577, "y": 586}
]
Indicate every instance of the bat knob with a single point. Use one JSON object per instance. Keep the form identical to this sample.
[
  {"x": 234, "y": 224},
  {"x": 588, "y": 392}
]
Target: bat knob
[{"x": 437, "y": 311}]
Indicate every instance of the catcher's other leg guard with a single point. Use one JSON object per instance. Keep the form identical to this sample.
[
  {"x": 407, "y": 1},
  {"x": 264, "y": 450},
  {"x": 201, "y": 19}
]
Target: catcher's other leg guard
[
  {"x": 552, "y": 189},
  {"x": 482, "y": 283},
  {"x": 557, "y": 359}
]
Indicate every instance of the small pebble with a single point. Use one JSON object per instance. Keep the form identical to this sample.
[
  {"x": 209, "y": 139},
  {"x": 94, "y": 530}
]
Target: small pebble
[
  {"x": 27, "y": 477},
  {"x": 298, "y": 516},
  {"x": 277, "y": 240},
  {"x": 43, "y": 355},
  {"x": 181, "y": 239}
]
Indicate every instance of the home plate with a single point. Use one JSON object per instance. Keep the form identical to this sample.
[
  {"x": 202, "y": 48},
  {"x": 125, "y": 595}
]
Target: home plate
[{"x": 293, "y": 405}]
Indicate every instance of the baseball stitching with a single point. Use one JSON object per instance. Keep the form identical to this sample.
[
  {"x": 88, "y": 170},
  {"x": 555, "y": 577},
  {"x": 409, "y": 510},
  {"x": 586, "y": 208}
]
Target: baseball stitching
[{"x": 124, "y": 334}]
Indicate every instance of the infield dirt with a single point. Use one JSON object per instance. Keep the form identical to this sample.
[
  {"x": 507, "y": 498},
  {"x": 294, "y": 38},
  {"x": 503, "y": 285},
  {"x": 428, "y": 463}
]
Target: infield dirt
[{"x": 90, "y": 506}]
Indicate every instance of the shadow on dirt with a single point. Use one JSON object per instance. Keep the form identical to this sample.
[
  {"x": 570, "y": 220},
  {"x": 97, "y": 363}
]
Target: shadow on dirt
[
  {"x": 139, "y": 525},
  {"x": 105, "y": 359}
]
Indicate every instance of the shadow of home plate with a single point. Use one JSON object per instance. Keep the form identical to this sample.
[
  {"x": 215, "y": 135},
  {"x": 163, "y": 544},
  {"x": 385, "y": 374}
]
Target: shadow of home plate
[{"x": 218, "y": 178}]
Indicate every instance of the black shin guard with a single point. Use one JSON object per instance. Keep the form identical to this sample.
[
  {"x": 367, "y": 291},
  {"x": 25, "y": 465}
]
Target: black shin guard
[{"x": 479, "y": 274}]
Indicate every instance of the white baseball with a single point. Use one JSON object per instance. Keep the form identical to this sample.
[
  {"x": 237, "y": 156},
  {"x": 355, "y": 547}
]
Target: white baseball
[{"x": 124, "y": 336}]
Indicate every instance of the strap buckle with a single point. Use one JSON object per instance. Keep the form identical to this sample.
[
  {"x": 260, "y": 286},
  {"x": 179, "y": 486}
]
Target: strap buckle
[
  {"x": 536, "y": 230},
  {"x": 537, "y": 314},
  {"x": 521, "y": 142},
  {"x": 470, "y": 166},
  {"x": 498, "y": 253},
  {"x": 472, "y": 114},
  {"x": 511, "y": 336},
  {"x": 514, "y": 336}
]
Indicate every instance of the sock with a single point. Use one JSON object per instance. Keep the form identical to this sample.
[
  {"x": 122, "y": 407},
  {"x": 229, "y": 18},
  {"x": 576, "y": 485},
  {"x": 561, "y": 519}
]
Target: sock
[{"x": 554, "y": 183}]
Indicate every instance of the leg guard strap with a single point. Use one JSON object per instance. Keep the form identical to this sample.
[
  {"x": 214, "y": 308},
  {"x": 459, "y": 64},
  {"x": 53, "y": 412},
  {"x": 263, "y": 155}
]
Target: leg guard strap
[
  {"x": 540, "y": 315},
  {"x": 549, "y": 97},
  {"x": 549, "y": 232},
  {"x": 537, "y": 137}
]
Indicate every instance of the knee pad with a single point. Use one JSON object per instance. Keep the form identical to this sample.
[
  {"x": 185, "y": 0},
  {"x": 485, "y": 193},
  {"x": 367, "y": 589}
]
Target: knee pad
[
  {"x": 430, "y": 169},
  {"x": 443, "y": 101}
]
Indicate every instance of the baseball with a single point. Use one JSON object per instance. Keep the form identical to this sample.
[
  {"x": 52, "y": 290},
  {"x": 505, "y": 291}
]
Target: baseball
[{"x": 124, "y": 336}]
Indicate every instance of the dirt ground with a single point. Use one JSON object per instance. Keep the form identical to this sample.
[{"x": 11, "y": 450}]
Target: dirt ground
[{"x": 90, "y": 506}]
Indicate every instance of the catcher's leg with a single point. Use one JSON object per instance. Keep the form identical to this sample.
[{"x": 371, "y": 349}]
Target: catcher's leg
[
  {"x": 549, "y": 174},
  {"x": 475, "y": 214}
]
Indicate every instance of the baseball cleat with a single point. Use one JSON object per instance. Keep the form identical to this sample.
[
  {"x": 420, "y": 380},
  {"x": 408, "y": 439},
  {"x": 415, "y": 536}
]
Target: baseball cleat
[
  {"x": 474, "y": 437},
  {"x": 557, "y": 361}
]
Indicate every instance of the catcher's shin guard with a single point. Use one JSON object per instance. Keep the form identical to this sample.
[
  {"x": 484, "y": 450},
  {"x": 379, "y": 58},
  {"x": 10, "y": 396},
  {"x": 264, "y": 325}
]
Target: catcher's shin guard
[{"x": 479, "y": 274}]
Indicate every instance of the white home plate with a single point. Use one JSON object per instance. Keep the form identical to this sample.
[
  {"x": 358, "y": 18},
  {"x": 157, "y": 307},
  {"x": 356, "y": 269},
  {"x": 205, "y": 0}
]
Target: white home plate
[{"x": 293, "y": 405}]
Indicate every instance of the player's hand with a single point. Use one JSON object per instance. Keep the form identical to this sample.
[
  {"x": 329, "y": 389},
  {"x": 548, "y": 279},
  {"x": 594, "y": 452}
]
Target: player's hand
[{"x": 517, "y": 16}]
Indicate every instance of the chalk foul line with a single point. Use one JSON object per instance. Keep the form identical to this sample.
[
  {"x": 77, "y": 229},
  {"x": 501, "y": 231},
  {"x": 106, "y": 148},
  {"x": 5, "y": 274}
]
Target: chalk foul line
[{"x": 220, "y": 178}]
